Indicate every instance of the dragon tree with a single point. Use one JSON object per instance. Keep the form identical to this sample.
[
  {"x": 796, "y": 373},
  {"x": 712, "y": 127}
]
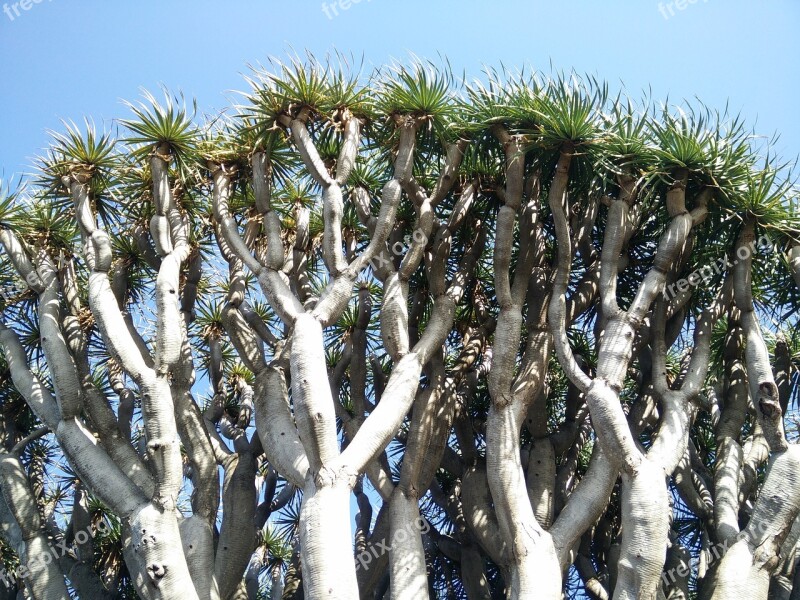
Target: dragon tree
[{"x": 395, "y": 335}]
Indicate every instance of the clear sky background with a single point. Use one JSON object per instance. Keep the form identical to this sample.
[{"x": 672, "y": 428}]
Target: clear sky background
[{"x": 66, "y": 59}]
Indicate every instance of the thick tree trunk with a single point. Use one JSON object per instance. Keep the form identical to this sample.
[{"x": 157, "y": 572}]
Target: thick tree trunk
[
  {"x": 746, "y": 568},
  {"x": 326, "y": 547},
  {"x": 408, "y": 570}
]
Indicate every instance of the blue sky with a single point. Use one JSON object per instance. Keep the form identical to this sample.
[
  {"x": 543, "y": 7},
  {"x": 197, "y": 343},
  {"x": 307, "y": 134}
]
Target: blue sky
[{"x": 69, "y": 59}]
